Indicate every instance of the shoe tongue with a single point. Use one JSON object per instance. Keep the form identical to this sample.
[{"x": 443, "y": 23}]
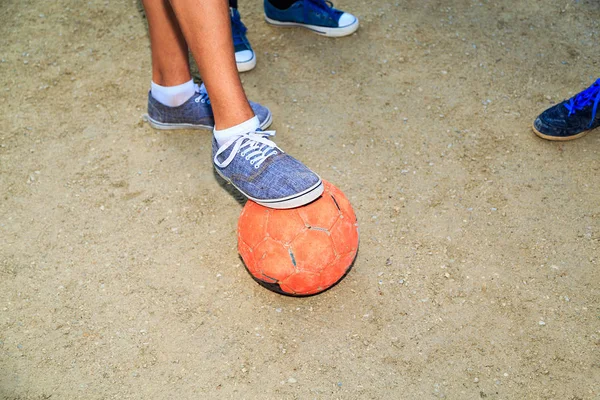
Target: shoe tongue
[
  {"x": 201, "y": 89},
  {"x": 338, "y": 14}
]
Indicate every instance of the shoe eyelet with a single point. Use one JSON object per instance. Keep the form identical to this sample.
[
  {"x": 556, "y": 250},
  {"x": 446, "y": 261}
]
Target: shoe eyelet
[
  {"x": 202, "y": 101},
  {"x": 256, "y": 166},
  {"x": 248, "y": 159},
  {"x": 197, "y": 99},
  {"x": 251, "y": 162}
]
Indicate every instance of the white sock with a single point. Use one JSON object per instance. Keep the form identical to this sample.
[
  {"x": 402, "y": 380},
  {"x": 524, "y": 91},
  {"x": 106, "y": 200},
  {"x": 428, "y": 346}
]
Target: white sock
[
  {"x": 224, "y": 135},
  {"x": 173, "y": 96}
]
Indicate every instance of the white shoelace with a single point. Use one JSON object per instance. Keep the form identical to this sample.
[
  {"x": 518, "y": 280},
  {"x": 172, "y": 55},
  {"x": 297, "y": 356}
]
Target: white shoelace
[{"x": 253, "y": 146}]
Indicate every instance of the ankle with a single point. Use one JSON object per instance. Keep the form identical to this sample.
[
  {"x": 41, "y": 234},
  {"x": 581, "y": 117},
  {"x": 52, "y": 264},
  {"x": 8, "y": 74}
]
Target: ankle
[
  {"x": 222, "y": 136},
  {"x": 229, "y": 115},
  {"x": 173, "y": 96}
]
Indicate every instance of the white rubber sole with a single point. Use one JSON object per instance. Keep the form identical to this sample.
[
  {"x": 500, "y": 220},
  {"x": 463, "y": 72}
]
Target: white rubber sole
[
  {"x": 321, "y": 30},
  {"x": 297, "y": 200},
  {"x": 164, "y": 126},
  {"x": 246, "y": 65}
]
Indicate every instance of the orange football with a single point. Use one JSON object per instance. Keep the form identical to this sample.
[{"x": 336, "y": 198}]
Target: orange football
[{"x": 299, "y": 251}]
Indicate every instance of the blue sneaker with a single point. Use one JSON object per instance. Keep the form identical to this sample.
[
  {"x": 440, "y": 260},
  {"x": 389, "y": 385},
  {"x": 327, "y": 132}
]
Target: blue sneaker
[
  {"x": 244, "y": 55},
  {"x": 317, "y": 15},
  {"x": 262, "y": 172},
  {"x": 572, "y": 118},
  {"x": 196, "y": 113}
]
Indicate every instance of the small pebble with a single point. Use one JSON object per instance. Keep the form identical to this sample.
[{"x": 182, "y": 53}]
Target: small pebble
[
  {"x": 278, "y": 310},
  {"x": 292, "y": 380},
  {"x": 542, "y": 323},
  {"x": 476, "y": 380}
]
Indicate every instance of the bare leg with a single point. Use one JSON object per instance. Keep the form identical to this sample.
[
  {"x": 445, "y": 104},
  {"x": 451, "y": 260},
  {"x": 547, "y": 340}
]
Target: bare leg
[
  {"x": 169, "y": 50},
  {"x": 207, "y": 30}
]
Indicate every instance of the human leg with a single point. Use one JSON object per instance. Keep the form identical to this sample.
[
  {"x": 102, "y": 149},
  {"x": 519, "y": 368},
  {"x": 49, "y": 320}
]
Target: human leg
[
  {"x": 175, "y": 101},
  {"x": 207, "y": 29},
  {"x": 243, "y": 154}
]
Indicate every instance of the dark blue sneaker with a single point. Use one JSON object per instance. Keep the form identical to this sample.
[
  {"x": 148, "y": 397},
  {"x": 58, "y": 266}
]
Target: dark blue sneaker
[
  {"x": 196, "y": 113},
  {"x": 244, "y": 55},
  {"x": 572, "y": 118},
  {"x": 261, "y": 171},
  {"x": 317, "y": 15}
]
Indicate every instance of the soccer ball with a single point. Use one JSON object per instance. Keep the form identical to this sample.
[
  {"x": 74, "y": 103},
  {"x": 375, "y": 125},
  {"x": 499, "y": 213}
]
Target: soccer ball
[{"x": 299, "y": 251}]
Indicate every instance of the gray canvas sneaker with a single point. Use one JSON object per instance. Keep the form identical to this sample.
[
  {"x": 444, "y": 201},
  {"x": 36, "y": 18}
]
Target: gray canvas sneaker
[
  {"x": 261, "y": 171},
  {"x": 196, "y": 113}
]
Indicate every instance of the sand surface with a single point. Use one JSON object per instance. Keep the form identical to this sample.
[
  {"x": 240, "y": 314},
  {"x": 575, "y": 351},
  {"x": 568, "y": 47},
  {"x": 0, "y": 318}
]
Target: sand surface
[{"x": 478, "y": 271}]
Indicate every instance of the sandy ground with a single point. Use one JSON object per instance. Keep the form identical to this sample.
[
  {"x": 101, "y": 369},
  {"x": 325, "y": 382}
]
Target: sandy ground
[{"x": 477, "y": 275}]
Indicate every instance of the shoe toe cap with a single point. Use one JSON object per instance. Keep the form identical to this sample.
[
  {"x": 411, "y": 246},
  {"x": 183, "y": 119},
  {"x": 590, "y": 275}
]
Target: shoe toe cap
[
  {"x": 540, "y": 126},
  {"x": 347, "y": 19},
  {"x": 244, "y": 56}
]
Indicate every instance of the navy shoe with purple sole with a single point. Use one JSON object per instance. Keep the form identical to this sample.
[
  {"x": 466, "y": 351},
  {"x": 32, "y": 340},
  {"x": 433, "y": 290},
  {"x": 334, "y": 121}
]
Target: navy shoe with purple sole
[{"x": 572, "y": 118}]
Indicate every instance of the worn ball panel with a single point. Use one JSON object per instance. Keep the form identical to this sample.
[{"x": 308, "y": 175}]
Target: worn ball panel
[
  {"x": 312, "y": 250},
  {"x": 302, "y": 283},
  {"x": 247, "y": 256},
  {"x": 285, "y": 225},
  {"x": 273, "y": 261},
  {"x": 342, "y": 202},
  {"x": 300, "y": 251},
  {"x": 337, "y": 269},
  {"x": 344, "y": 235},
  {"x": 252, "y": 225},
  {"x": 321, "y": 213}
]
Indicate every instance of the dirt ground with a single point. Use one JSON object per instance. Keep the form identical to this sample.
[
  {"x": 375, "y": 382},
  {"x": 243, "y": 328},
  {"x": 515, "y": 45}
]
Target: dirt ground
[{"x": 477, "y": 275}]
